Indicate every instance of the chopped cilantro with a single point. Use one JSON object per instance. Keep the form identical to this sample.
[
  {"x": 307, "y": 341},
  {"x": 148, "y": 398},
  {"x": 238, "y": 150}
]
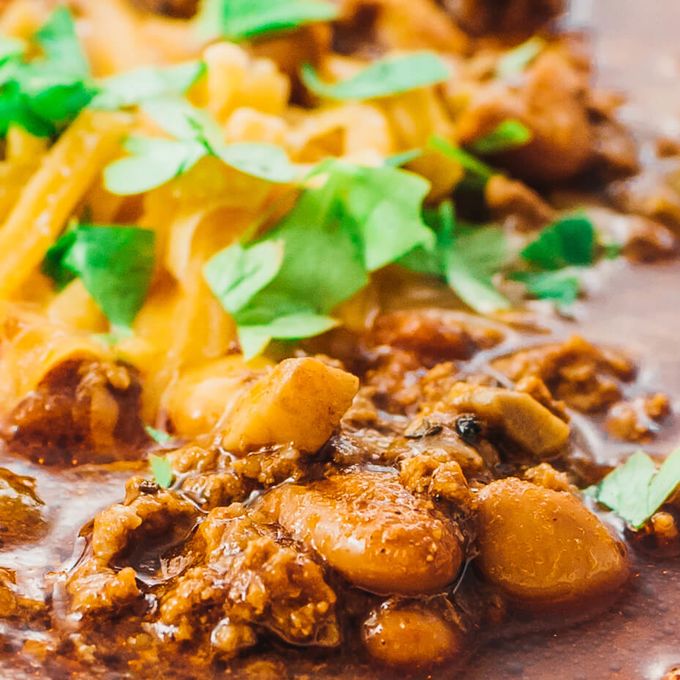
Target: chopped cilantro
[
  {"x": 149, "y": 82},
  {"x": 154, "y": 161},
  {"x": 114, "y": 263},
  {"x": 383, "y": 78},
  {"x": 474, "y": 168},
  {"x": 568, "y": 241},
  {"x": 247, "y": 19},
  {"x": 516, "y": 60},
  {"x": 44, "y": 94},
  {"x": 162, "y": 471},
  {"x": 636, "y": 490},
  {"x": 159, "y": 436},
  {"x": 561, "y": 286},
  {"x": 510, "y": 134},
  {"x": 286, "y": 284},
  {"x": 398, "y": 160}
]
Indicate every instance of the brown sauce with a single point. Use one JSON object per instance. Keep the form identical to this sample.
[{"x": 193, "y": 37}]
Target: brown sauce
[{"x": 631, "y": 306}]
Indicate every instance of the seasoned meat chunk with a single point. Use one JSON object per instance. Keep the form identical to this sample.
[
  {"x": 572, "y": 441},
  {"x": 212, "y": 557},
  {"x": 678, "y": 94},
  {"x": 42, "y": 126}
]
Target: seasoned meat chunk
[
  {"x": 300, "y": 402},
  {"x": 513, "y": 17},
  {"x": 245, "y": 578},
  {"x": 637, "y": 420},
  {"x": 516, "y": 205},
  {"x": 370, "y": 529},
  {"x": 82, "y": 411},
  {"x": 584, "y": 376},
  {"x": 22, "y": 516},
  {"x": 544, "y": 548},
  {"x": 172, "y": 8}
]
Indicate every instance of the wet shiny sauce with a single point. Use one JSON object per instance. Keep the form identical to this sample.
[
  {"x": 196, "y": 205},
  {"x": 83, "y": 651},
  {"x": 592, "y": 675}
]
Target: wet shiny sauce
[{"x": 631, "y": 306}]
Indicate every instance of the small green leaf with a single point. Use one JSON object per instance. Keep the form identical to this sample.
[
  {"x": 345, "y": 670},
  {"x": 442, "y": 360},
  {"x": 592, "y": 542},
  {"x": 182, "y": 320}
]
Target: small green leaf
[
  {"x": 472, "y": 165},
  {"x": 159, "y": 436},
  {"x": 246, "y": 19},
  {"x": 398, "y": 160},
  {"x": 162, "y": 471},
  {"x": 114, "y": 263},
  {"x": 59, "y": 41},
  {"x": 569, "y": 241},
  {"x": 153, "y": 162},
  {"x": 183, "y": 121},
  {"x": 474, "y": 257},
  {"x": 237, "y": 274},
  {"x": 149, "y": 82},
  {"x": 383, "y": 78},
  {"x": 508, "y": 135},
  {"x": 636, "y": 490},
  {"x": 11, "y": 48},
  {"x": 516, "y": 60},
  {"x": 562, "y": 286},
  {"x": 266, "y": 161}
]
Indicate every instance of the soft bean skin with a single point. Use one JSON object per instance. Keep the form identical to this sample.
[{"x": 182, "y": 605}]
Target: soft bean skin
[
  {"x": 545, "y": 548},
  {"x": 373, "y": 531},
  {"x": 410, "y": 636}
]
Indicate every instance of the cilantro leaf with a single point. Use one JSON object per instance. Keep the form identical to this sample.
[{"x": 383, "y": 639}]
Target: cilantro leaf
[
  {"x": 286, "y": 284},
  {"x": 258, "y": 159},
  {"x": 636, "y": 490},
  {"x": 246, "y": 19},
  {"x": 114, "y": 263},
  {"x": 510, "y": 134},
  {"x": 152, "y": 162},
  {"x": 399, "y": 159},
  {"x": 162, "y": 471},
  {"x": 149, "y": 82},
  {"x": 569, "y": 241},
  {"x": 45, "y": 94},
  {"x": 474, "y": 168},
  {"x": 383, "y": 78},
  {"x": 516, "y": 60},
  {"x": 11, "y": 48},
  {"x": 561, "y": 286},
  {"x": 159, "y": 436}
]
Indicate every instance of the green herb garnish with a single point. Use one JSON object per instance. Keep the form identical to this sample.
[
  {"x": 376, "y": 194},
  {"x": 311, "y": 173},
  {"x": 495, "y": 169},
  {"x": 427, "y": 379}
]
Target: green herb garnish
[
  {"x": 508, "y": 135},
  {"x": 466, "y": 258},
  {"x": 516, "y": 60},
  {"x": 153, "y": 161},
  {"x": 562, "y": 286},
  {"x": 246, "y": 19},
  {"x": 162, "y": 471},
  {"x": 43, "y": 95},
  {"x": 636, "y": 490},
  {"x": 114, "y": 263},
  {"x": 286, "y": 284},
  {"x": 475, "y": 169},
  {"x": 159, "y": 436},
  {"x": 149, "y": 82},
  {"x": 569, "y": 241},
  {"x": 383, "y": 78}
]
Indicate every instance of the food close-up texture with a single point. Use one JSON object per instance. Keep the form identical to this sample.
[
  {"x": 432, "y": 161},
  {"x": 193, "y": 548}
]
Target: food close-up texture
[{"x": 338, "y": 339}]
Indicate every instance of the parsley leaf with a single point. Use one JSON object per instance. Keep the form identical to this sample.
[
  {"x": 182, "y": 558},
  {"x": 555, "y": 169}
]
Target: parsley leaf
[
  {"x": 149, "y": 82},
  {"x": 286, "y": 284},
  {"x": 162, "y": 471},
  {"x": 154, "y": 161},
  {"x": 246, "y": 19},
  {"x": 568, "y": 241},
  {"x": 383, "y": 78},
  {"x": 562, "y": 286},
  {"x": 510, "y": 134},
  {"x": 159, "y": 436},
  {"x": 45, "y": 94},
  {"x": 516, "y": 60},
  {"x": 114, "y": 263},
  {"x": 636, "y": 490}
]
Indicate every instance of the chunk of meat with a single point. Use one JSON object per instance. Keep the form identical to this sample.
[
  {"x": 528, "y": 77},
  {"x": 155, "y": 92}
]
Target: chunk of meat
[
  {"x": 372, "y": 531},
  {"x": 544, "y": 548},
  {"x": 103, "y": 581},
  {"x": 82, "y": 411},
  {"x": 437, "y": 476},
  {"x": 584, "y": 376},
  {"x": 246, "y": 578},
  {"x": 435, "y": 335},
  {"x": 300, "y": 402},
  {"x": 518, "y": 415},
  {"x": 411, "y": 634},
  {"x": 516, "y": 205},
  {"x": 22, "y": 516},
  {"x": 514, "y": 17},
  {"x": 637, "y": 420},
  {"x": 172, "y": 8}
]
